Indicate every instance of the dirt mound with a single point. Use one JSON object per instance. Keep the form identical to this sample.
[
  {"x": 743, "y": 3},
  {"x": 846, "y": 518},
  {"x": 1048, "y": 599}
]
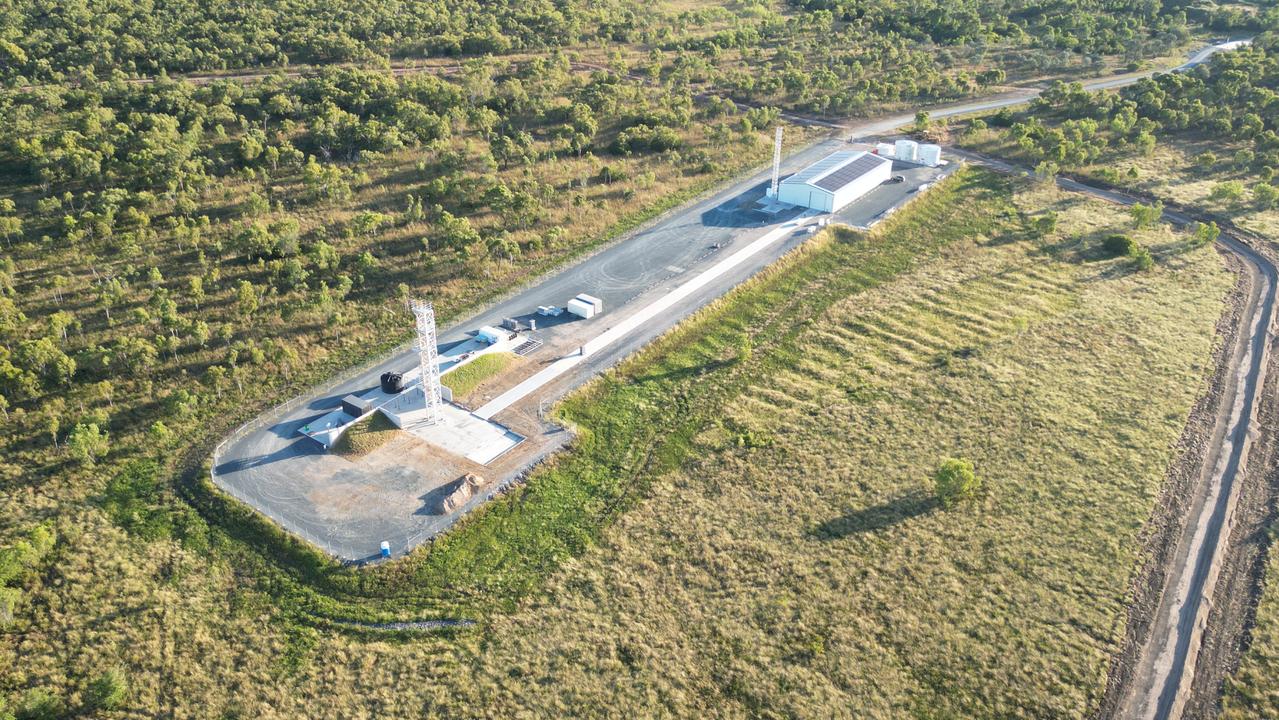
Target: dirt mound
[{"x": 463, "y": 489}]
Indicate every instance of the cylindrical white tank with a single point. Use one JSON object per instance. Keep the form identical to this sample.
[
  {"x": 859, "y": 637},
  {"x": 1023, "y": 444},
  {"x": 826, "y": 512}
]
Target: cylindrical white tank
[
  {"x": 930, "y": 155},
  {"x": 884, "y": 149},
  {"x": 907, "y": 150}
]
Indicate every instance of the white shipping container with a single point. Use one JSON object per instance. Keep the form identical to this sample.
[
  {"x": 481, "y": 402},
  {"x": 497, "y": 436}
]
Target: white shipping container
[
  {"x": 581, "y": 309},
  {"x": 930, "y": 155},
  {"x": 884, "y": 149},
  {"x": 907, "y": 150},
  {"x": 593, "y": 301}
]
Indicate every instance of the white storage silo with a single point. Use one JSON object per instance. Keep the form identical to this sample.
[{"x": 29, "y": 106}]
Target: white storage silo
[
  {"x": 907, "y": 150},
  {"x": 884, "y": 149},
  {"x": 930, "y": 155}
]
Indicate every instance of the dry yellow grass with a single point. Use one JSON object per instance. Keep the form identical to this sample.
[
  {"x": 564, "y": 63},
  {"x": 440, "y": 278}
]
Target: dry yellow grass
[
  {"x": 1251, "y": 692},
  {"x": 793, "y": 569}
]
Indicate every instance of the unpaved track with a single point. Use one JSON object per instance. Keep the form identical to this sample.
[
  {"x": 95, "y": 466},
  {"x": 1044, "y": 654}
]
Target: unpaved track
[
  {"x": 1159, "y": 683},
  {"x": 1243, "y": 571}
]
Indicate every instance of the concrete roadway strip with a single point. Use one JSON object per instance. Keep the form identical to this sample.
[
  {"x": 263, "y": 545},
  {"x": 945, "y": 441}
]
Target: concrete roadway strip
[
  {"x": 1166, "y": 664},
  {"x": 617, "y": 332}
]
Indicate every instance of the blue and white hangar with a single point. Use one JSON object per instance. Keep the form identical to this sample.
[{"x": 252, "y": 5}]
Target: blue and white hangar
[{"x": 836, "y": 180}]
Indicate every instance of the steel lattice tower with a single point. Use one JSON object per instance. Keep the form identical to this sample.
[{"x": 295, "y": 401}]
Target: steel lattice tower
[
  {"x": 777, "y": 163},
  {"x": 428, "y": 357}
]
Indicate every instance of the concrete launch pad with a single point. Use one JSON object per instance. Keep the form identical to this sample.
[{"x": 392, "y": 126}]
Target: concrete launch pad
[{"x": 460, "y": 433}]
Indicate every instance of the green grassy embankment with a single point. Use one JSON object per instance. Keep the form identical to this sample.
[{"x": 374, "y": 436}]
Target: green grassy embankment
[
  {"x": 466, "y": 378},
  {"x": 365, "y": 437}
]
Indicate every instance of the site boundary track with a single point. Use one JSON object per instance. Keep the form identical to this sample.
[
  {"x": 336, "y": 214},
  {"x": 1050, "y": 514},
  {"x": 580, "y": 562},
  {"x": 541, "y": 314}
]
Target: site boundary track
[{"x": 1158, "y": 685}]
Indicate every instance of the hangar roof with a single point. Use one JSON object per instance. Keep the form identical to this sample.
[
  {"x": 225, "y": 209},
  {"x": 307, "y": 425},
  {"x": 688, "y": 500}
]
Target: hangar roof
[{"x": 837, "y": 169}]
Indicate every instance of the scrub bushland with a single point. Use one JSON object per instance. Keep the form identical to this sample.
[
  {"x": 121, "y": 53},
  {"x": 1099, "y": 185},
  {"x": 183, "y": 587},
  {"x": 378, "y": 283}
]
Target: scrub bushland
[{"x": 744, "y": 532}]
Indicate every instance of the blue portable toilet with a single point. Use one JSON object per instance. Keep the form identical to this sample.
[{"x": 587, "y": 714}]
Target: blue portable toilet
[{"x": 386, "y": 549}]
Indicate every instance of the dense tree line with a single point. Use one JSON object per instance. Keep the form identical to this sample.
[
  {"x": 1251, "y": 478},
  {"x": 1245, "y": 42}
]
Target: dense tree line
[
  {"x": 842, "y": 57},
  {"x": 41, "y": 41},
  {"x": 833, "y": 56},
  {"x": 1084, "y": 26},
  {"x": 1233, "y": 100}
]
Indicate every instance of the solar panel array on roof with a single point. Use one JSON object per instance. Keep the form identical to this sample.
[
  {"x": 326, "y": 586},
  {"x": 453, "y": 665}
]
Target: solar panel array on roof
[
  {"x": 823, "y": 166},
  {"x": 848, "y": 173}
]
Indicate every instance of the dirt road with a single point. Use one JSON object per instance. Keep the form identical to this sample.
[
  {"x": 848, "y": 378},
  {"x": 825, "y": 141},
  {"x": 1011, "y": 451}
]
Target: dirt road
[{"x": 1157, "y": 683}]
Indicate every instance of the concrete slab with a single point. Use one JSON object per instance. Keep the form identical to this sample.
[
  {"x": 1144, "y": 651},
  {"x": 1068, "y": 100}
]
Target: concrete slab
[
  {"x": 461, "y": 433},
  {"x": 643, "y": 315}
]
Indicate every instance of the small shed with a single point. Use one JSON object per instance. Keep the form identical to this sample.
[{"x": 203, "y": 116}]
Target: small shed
[{"x": 356, "y": 406}]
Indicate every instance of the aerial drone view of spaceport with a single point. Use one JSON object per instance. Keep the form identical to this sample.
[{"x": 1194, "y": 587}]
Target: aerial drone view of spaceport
[{"x": 453, "y": 445}]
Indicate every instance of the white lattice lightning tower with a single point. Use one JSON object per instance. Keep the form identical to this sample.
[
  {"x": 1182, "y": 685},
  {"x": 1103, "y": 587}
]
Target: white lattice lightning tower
[
  {"x": 428, "y": 357},
  {"x": 777, "y": 163}
]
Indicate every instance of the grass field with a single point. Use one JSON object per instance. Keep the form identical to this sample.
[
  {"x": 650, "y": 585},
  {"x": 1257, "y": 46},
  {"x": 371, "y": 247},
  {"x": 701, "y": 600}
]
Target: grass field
[
  {"x": 1172, "y": 172},
  {"x": 466, "y": 378},
  {"x": 742, "y": 527},
  {"x": 1251, "y": 692}
]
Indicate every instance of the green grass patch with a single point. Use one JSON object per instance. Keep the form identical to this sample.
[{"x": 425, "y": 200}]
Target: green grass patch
[
  {"x": 365, "y": 437},
  {"x": 463, "y": 380}
]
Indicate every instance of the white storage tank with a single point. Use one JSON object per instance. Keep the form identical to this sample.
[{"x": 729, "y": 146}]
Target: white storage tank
[
  {"x": 907, "y": 150},
  {"x": 930, "y": 155},
  {"x": 884, "y": 149}
]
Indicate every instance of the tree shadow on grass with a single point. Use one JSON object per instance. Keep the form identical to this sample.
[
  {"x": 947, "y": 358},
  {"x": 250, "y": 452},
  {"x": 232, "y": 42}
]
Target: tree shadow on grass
[
  {"x": 877, "y": 517},
  {"x": 686, "y": 372}
]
